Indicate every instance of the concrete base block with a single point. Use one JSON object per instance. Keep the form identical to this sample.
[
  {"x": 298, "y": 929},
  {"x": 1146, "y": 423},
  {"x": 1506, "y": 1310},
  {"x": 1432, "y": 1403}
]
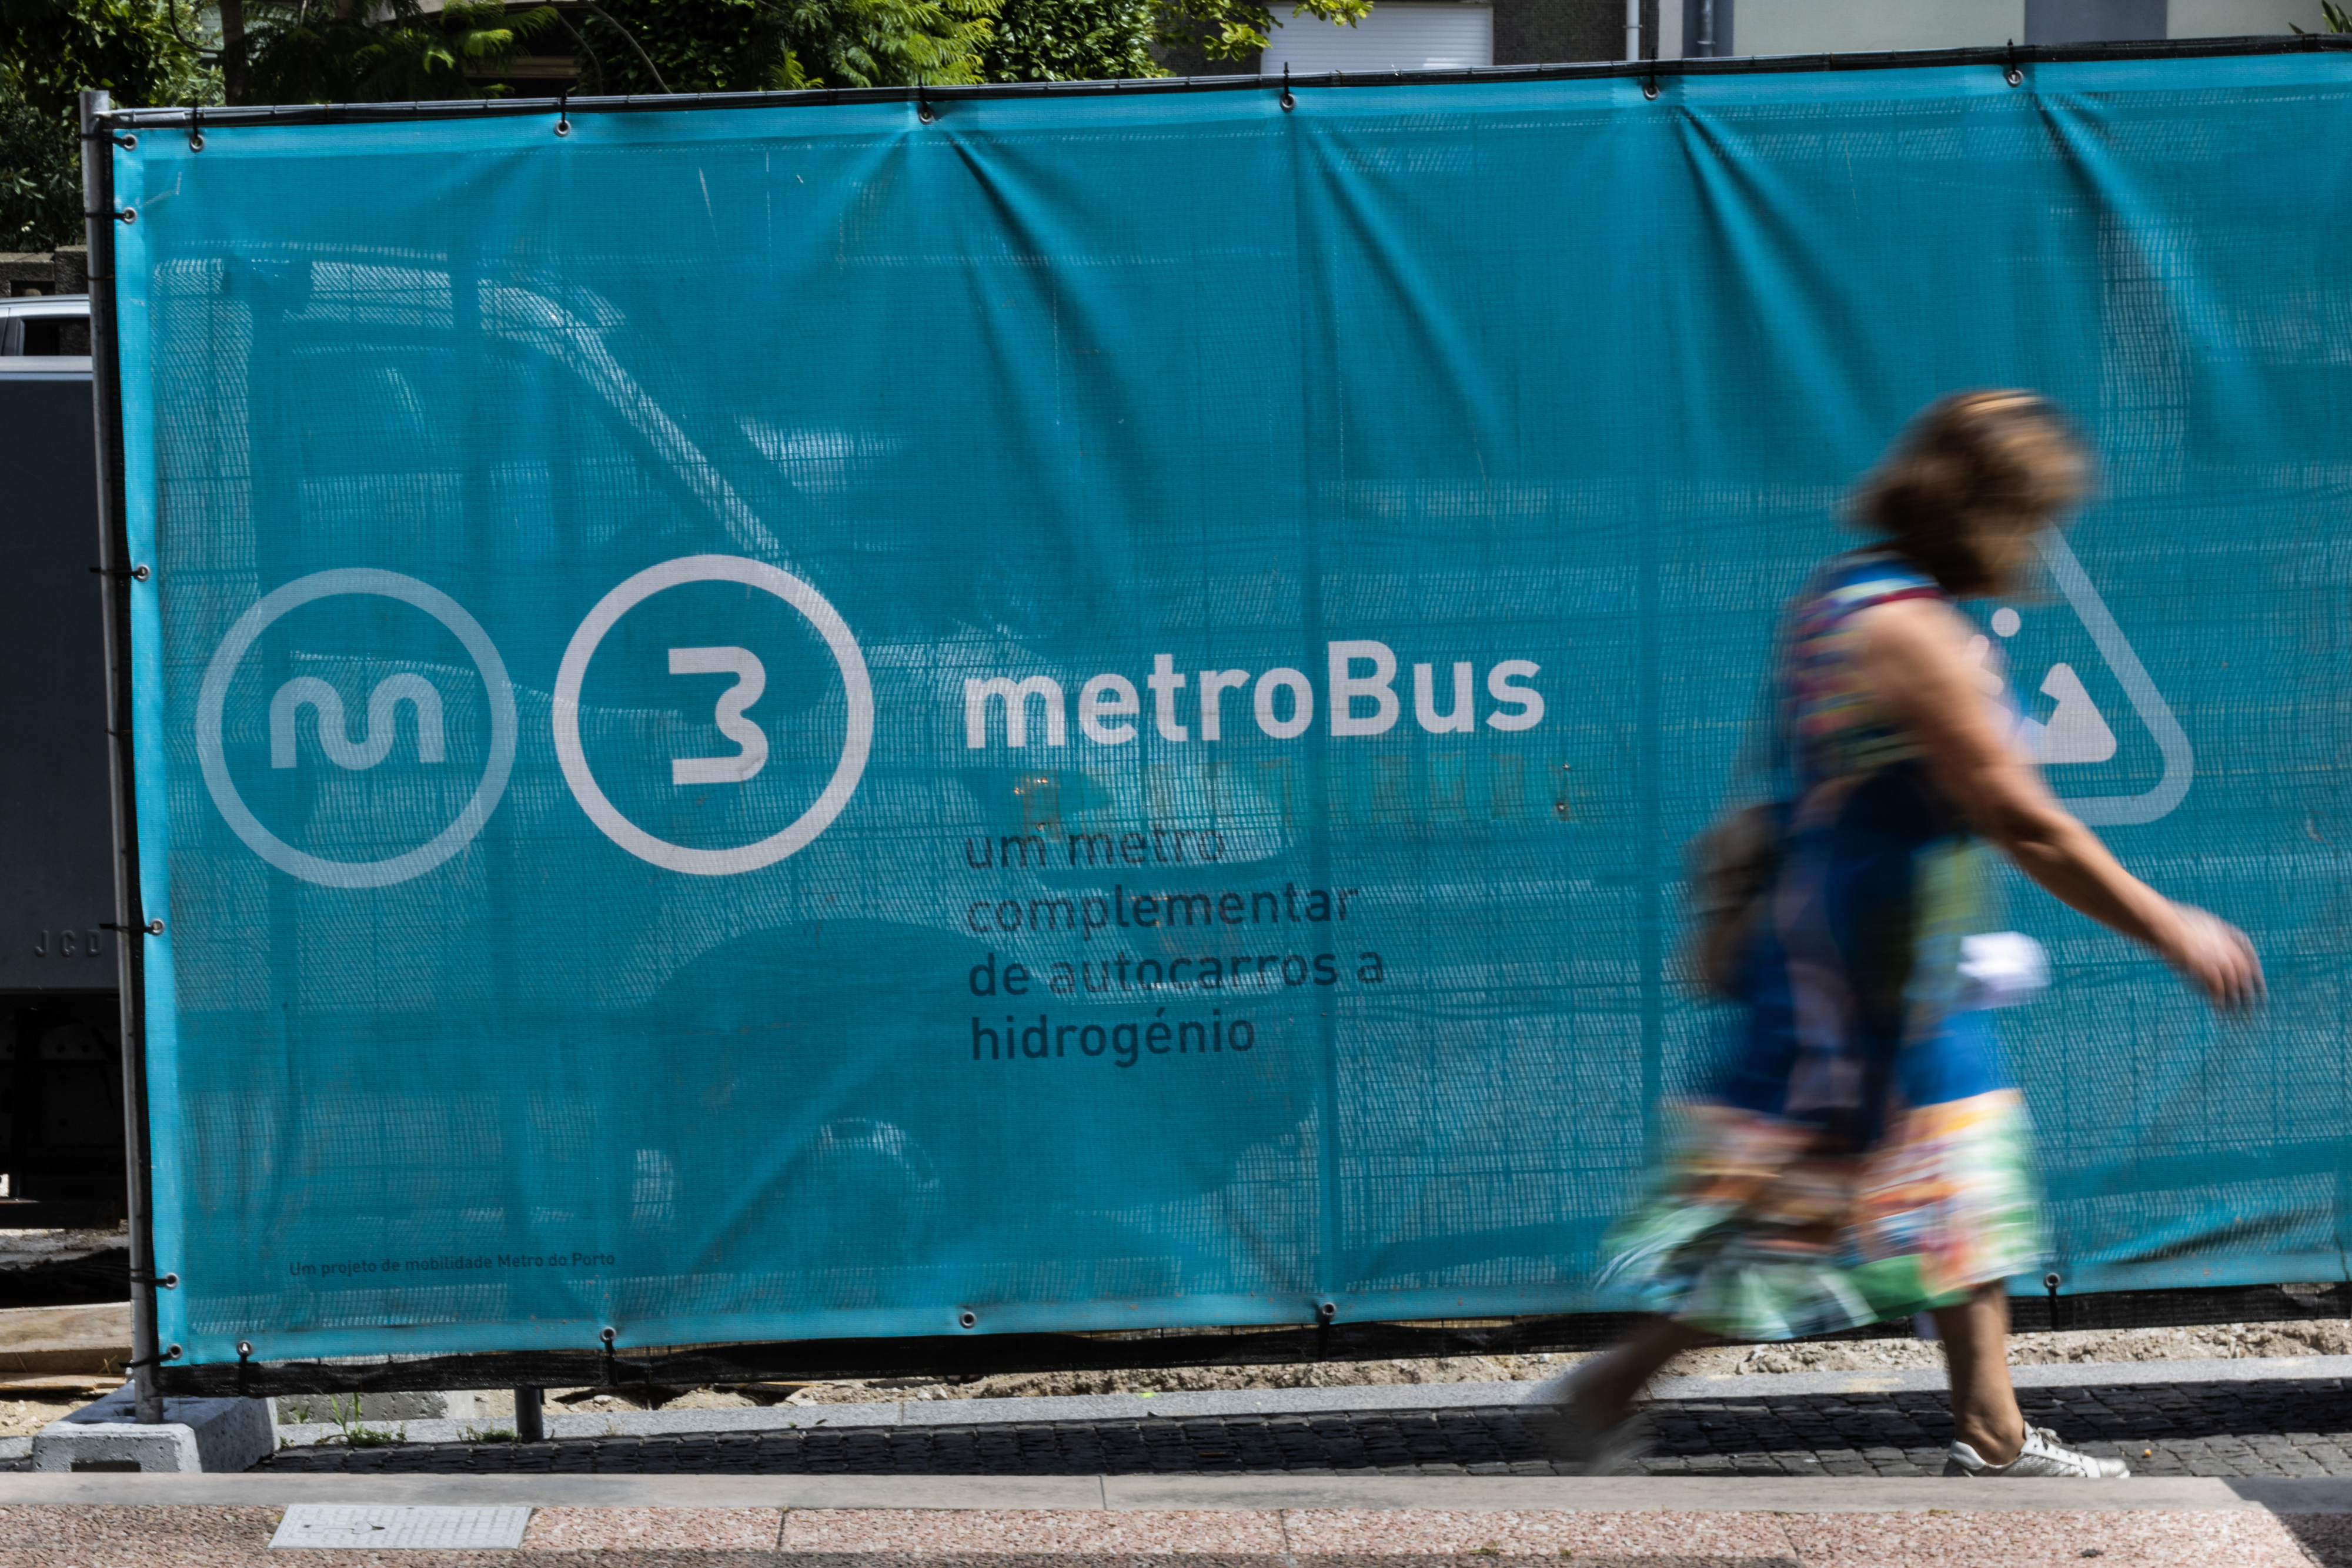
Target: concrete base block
[
  {"x": 480, "y": 1405},
  {"x": 218, "y": 1436}
]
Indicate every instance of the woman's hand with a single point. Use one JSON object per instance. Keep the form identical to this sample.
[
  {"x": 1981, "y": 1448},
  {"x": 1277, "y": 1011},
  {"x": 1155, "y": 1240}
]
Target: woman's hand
[{"x": 2216, "y": 958}]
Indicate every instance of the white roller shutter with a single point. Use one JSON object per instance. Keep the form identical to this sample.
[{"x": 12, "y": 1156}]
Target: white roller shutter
[{"x": 1393, "y": 38}]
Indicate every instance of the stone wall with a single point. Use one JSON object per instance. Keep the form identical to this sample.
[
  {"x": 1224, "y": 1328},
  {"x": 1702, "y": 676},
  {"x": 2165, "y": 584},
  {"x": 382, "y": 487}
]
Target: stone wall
[{"x": 65, "y": 271}]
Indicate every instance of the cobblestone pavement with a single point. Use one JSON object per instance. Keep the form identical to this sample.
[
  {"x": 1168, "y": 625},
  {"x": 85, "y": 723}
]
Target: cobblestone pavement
[{"x": 2254, "y": 1428}]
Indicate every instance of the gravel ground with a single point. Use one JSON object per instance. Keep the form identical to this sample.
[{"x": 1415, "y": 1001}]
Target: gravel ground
[
  {"x": 23, "y": 1248},
  {"x": 2227, "y": 1339},
  {"x": 26, "y": 1411},
  {"x": 22, "y": 1414}
]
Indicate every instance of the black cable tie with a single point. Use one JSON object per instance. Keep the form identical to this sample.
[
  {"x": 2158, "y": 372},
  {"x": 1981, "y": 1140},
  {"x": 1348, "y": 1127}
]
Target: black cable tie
[
  {"x": 196, "y": 129},
  {"x": 2010, "y": 73},
  {"x": 563, "y": 112},
  {"x": 1288, "y": 102},
  {"x": 169, "y": 1353},
  {"x": 169, "y": 1282}
]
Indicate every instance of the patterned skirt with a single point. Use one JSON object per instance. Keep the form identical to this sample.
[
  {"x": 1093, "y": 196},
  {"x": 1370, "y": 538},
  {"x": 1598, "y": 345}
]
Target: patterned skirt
[{"x": 1753, "y": 1232}]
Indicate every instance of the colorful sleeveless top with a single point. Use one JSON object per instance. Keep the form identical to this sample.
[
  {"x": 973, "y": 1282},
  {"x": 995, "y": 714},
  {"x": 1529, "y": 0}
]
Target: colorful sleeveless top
[
  {"x": 1835, "y": 727},
  {"x": 1854, "y": 979}
]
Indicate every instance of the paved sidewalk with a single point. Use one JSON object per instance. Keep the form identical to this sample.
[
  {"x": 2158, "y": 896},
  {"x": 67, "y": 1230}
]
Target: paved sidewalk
[
  {"x": 2228, "y": 1532},
  {"x": 1817, "y": 1470}
]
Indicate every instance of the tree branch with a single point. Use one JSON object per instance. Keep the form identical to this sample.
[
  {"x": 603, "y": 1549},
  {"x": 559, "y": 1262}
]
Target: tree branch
[
  {"x": 586, "y": 48},
  {"x": 632, "y": 38}
]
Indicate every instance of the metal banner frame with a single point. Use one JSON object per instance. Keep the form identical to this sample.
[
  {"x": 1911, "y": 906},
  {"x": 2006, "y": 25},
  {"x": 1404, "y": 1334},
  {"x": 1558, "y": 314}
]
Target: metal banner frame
[{"x": 130, "y": 599}]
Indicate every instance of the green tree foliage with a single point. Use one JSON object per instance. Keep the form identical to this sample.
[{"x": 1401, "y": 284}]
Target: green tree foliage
[
  {"x": 378, "y": 52},
  {"x": 40, "y": 179},
  {"x": 753, "y": 46},
  {"x": 141, "y": 50},
  {"x": 1072, "y": 40},
  {"x": 298, "y": 51},
  {"x": 1100, "y": 40},
  {"x": 739, "y": 45}
]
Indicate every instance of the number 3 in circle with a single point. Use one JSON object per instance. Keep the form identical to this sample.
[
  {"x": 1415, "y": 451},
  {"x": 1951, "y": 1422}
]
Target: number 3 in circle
[{"x": 751, "y": 680}]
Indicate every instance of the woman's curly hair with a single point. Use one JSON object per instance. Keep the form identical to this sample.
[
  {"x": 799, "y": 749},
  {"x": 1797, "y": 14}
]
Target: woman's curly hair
[{"x": 1975, "y": 472}]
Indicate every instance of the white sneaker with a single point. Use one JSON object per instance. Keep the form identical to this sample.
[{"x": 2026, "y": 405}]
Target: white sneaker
[{"x": 2042, "y": 1456}]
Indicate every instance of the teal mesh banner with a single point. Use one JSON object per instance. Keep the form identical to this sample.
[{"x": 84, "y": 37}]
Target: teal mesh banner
[{"x": 785, "y": 721}]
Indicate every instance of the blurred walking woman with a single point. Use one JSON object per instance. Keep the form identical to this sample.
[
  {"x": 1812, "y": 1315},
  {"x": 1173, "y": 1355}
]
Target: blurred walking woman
[{"x": 1864, "y": 1157}]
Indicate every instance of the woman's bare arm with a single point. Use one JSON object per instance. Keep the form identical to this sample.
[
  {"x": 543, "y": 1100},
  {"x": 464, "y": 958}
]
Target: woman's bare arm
[{"x": 1914, "y": 655}]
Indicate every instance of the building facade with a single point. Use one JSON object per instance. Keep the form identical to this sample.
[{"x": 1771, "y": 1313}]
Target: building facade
[{"x": 1416, "y": 35}]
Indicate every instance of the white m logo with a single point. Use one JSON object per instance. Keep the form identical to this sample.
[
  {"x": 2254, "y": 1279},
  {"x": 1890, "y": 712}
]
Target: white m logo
[{"x": 382, "y": 722}]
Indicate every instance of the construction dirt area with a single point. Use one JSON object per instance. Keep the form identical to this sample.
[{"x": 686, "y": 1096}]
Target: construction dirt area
[
  {"x": 26, "y": 1409},
  {"x": 45, "y": 1372},
  {"x": 2326, "y": 1337},
  {"x": 2323, "y": 1337}
]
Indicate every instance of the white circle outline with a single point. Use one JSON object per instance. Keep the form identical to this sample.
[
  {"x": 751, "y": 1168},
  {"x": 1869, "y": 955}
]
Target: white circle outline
[
  {"x": 213, "y": 697},
  {"x": 857, "y": 685}
]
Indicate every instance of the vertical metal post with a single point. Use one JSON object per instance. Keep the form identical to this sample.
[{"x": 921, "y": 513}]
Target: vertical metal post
[
  {"x": 531, "y": 1416},
  {"x": 1707, "y": 28},
  {"x": 1633, "y": 29},
  {"x": 114, "y": 589}
]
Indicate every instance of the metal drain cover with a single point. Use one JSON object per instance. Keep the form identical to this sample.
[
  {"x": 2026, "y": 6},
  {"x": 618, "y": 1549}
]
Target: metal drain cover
[{"x": 395, "y": 1529}]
